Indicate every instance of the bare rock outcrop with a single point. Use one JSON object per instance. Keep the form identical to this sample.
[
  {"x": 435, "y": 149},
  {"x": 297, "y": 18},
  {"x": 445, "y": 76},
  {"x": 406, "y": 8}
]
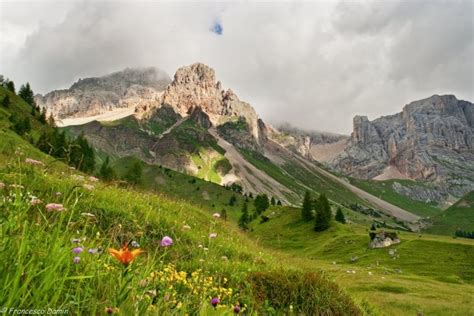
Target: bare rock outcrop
[
  {"x": 93, "y": 96},
  {"x": 430, "y": 140}
]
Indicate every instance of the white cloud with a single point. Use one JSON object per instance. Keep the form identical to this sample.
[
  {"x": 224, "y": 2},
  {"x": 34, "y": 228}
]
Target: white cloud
[{"x": 314, "y": 64}]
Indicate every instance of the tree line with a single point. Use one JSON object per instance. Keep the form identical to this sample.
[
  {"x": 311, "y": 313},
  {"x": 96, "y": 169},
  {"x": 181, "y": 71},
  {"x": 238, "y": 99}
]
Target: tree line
[{"x": 464, "y": 234}]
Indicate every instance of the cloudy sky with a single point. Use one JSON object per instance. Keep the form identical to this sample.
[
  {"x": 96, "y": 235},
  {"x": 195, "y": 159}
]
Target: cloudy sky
[{"x": 313, "y": 64}]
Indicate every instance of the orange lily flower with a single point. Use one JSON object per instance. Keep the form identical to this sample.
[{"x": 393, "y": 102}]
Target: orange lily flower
[{"x": 124, "y": 255}]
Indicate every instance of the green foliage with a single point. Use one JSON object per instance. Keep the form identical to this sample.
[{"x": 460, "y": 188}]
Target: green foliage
[
  {"x": 10, "y": 85},
  {"x": 464, "y": 234},
  {"x": 306, "y": 209},
  {"x": 261, "y": 203},
  {"x": 6, "y": 101},
  {"x": 81, "y": 154},
  {"x": 27, "y": 94},
  {"x": 21, "y": 126},
  {"x": 134, "y": 174},
  {"x": 340, "y": 216},
  {"x": 224, "y": 214},
  {"x": 232, "y": 200},
  {"x": 308, "y": 294},
  {"x": 244, "y": 218},
  {"x": 323, "y": 214},
  {"x": 106, "y": 172}
]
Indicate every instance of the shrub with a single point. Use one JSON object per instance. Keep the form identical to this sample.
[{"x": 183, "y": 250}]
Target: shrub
[{"x": 307, "y": 293}]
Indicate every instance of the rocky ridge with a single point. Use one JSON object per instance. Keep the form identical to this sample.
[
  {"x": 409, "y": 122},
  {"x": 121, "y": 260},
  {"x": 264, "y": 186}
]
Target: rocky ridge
[
  {"x": 430, "y": 140},
  {"x": 93, "y": 96}
]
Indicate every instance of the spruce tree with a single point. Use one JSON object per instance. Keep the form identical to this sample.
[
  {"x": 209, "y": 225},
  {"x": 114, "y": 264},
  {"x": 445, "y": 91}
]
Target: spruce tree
[
  {"x": 27, "y": 94},
  {"x": 244, "y": 218},
  {"x": 272, "y": 201},
  {"x": 10, "y": 85},
  {"x": 261, "y": 203},
  {"x": 323, "y": 214},
  {"x": 340, "y": 216},
  {"x": 306, "y": 213}
]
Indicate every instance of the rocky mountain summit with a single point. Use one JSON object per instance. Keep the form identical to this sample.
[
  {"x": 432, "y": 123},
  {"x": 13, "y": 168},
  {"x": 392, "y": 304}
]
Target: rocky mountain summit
[
  {"x": 131, "y": 87},
  {"x": 430, "y": 140},
  {"x": 196, "y": 86}
]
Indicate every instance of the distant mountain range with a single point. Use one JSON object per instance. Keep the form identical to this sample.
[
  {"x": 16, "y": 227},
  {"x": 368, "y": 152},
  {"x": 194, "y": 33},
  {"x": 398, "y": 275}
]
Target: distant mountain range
[{"x": 192, "y": 125}]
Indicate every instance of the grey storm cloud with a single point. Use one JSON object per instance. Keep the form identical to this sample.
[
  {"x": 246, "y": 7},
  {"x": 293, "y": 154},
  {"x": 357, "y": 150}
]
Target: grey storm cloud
[{"x": 312, "y": 64}]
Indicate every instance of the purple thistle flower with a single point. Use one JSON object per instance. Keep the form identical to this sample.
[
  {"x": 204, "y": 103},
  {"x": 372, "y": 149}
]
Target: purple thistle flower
[
  {"x": 93, "y": 251},
  {"x": 76, "y": 260},
  {"x": 215, "y": 301},
  {"x": 77, "y": 250},
  {"x": 236, "y": 309},
  {"x": 166, "y": 241}
]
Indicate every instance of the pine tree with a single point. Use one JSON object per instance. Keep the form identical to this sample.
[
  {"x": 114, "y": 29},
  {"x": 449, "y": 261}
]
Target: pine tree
[
  {"x": 340, "y": 216},
  {"x": 134, "y": 174},
  {"x": 372, "y": 227},
  {"x": 279, "y": 203},
  {"x": 6, "y": 101},
  {"x": 306, "y": 212},
  {"x": 272, "y": 201},
  {"x": 27, "y": 94},
  {"x": 323, "y": 214},
  {"x": 10, "y": 85},
  {"x": 244, "y": 218},
  {"x": 106, "y": 172},
  {"x": 261, "y": 203},
  {"x": 232, "y": 200}
]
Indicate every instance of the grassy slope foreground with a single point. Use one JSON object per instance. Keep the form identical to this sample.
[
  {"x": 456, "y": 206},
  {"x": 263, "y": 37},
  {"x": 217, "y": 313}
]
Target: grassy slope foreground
[
  {"x": 427, "y": 274},
  {"x": 56, "y": 256}
]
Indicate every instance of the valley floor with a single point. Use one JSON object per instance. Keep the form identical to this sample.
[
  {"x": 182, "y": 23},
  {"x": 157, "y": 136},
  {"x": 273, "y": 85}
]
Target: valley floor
[{"x": 425, "y": 274}]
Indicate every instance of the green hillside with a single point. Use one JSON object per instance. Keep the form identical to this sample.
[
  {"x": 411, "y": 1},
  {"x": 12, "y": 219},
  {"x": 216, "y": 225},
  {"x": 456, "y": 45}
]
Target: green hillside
[
  {"x": 56, "y": 255},
  {"x": 425, "y": 274},
  {"x": 458, "y": 216},
  {"x": 385, "y": 191}
]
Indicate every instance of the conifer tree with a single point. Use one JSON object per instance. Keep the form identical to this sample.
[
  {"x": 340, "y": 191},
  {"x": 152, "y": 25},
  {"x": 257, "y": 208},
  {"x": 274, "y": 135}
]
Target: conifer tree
[
  {"x": 323, "y": 214},
  {"x": 261, "y": 203},
  {"x": 306, "y": 210},
  {"x": 244, "y": 218},
  {"x": 27, "y": 94},
  {"x": 340, "y": 216}
]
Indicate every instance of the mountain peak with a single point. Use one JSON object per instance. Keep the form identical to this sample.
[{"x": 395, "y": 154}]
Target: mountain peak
[{"x": 198, "y": 74}]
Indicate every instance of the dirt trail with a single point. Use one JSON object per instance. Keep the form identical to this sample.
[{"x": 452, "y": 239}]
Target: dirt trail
[{"x": 250, "y": 176}]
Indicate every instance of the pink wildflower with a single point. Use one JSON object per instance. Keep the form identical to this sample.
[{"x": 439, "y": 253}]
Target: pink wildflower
[
  {"x": 34, "y": 162},
  {"x": 35, "y": 201},
  {"x": 216, "y": 215},
  {"x": 212, "y": 235},
  {"x": 166, "y": 241},
  {"x": 54, "y": 207}
]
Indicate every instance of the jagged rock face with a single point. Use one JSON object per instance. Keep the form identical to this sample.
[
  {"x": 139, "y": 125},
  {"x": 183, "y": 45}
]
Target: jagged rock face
[
  {"x": 93, "y": 96},
  {"x": 431, "y": 139},
  {"x": 196, "y": 86}
]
